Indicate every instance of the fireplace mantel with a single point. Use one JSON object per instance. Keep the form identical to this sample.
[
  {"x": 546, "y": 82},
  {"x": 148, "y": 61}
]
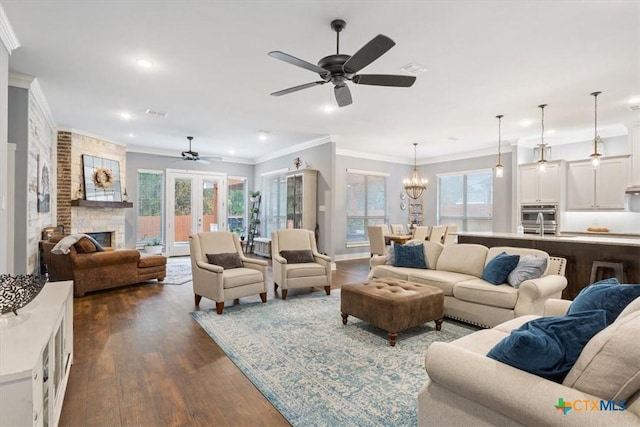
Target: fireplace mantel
[{"x": 100, "y": 204}]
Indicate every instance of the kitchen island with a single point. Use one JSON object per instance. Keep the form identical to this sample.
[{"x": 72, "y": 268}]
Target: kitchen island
[{"x": 579, "y": 251}]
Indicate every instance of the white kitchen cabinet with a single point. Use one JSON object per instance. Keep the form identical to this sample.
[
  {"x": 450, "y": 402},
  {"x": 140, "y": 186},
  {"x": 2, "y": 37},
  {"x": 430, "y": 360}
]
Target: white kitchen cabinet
[
  {"x": 541, "y": 187},
  {"x": 36, "y": 351},
  {"x": 602, "y": 188}
]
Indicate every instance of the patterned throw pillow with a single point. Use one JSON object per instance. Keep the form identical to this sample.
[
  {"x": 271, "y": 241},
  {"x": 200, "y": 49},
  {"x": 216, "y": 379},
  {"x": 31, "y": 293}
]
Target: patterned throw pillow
[
  {"x": 411, "y": 256},
  {"x": 226, "y": 260},
  {"x": 498, "y": 269},
  {"x": 298, "y": 257},
  {"x": 529, "y": 267}
]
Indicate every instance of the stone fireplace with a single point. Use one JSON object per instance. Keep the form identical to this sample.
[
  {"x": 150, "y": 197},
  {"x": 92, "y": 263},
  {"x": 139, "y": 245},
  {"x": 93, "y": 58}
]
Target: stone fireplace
[{"x": 74, "y": 213}]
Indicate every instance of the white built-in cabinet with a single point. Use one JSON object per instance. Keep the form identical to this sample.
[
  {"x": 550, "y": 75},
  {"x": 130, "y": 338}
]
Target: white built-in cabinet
[
  {"x": 36, "y": 351},
  {"x": 602, "y": 188},
  {"x": 541, "y": 187},
  {"x": 302, "y": 193}
]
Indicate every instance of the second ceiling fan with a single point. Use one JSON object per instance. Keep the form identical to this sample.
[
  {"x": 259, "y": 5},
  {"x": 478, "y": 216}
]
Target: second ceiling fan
[{"x": 339, "y": 68}]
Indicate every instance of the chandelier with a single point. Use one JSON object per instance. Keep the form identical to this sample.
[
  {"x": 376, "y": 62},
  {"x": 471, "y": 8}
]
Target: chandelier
[
  {"x": 542, "y": 163},
  {"x": 595, "y": 157},
  {"x": 415, "y": 185},
  {"x": 499, "y": 168}
]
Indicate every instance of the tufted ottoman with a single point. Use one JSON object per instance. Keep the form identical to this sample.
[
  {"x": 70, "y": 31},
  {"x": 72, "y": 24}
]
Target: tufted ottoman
[{"x": 393, "y": 305}]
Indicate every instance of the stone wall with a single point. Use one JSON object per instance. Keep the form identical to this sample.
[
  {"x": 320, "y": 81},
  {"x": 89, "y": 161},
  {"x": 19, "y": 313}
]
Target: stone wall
[{"x": 71, "y": 147}]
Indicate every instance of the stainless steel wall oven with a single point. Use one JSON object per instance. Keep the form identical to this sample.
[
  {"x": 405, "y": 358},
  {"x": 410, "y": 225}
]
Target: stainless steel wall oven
[{"x": 530, "y": 216}]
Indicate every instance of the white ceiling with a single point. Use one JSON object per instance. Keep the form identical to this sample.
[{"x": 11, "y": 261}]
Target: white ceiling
[{"x": 213, "y": 77}]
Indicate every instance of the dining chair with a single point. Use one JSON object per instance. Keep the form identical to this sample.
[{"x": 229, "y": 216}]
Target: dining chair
[
  {"x": 437, "y": 232},
  {"x": 376, "y": 239},
  {"x": 450, "y": 235},
  {"x": 397, "y": 229},
  {"x": 421, "y": 232}
]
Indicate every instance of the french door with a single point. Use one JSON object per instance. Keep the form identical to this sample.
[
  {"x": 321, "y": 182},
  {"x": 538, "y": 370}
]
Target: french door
[{"x": 196, "y": 201}]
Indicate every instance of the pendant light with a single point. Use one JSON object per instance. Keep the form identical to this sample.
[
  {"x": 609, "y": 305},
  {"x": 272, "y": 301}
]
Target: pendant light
[
  {"x": 499, "y": 168},
  {"x": 595, "y": 157},
  {"x": 415, "y": 185},
  {"x": 542, "y": 163}
]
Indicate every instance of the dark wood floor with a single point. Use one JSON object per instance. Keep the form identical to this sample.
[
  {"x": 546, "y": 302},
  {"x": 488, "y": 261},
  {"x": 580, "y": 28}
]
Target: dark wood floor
[{"x": 141, "y": 360}]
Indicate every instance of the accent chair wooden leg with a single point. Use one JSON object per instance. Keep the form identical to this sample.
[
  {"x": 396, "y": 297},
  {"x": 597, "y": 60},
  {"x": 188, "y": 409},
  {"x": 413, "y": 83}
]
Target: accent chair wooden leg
[
  {"x": 327, "y": 289},
  {"x": 439, "y": 324},
  {"x": 263, "y": 296},
  {"x": 219, "y": 307},
  {"x": 197, "y": 298},
  {"x": 344, "y": 318},
  {"x": 284, "y": 294}
]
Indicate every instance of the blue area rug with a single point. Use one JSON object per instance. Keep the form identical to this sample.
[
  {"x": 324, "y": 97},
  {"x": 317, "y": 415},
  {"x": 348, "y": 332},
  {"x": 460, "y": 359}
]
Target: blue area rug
[{"x": 317, "y": 371}]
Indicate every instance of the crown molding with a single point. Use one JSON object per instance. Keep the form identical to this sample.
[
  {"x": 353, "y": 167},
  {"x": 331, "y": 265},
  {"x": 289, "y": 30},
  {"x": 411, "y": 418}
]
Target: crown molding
[
  {"x": 295, "y": 148},
  {"x": 370, "y": 156},
  {"x": 7, "y": 35},
  {"x": 32, "y": 84}
]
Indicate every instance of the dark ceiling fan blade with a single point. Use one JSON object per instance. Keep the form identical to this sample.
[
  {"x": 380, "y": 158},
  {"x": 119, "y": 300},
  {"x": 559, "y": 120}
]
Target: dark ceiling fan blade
[
  {"x": 384, "y": 80},
  {"x": 343, "y": 95},
  {"x": 298, "y": 62},
  {"x": 368, "y": 53},
  {"x": 297, "y": 88}
]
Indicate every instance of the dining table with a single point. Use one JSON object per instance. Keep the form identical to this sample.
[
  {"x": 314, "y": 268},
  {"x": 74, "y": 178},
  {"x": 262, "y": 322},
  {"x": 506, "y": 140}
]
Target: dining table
[{"x": 397, "y": 238}]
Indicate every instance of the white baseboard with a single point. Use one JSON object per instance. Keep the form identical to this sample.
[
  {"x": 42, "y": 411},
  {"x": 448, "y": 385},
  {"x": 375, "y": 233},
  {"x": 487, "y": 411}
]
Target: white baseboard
[{"x": 348, "y": 257}]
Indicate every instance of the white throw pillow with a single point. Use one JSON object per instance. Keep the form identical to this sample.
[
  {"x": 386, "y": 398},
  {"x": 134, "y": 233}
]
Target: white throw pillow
[{"x": 529, "y": 267}]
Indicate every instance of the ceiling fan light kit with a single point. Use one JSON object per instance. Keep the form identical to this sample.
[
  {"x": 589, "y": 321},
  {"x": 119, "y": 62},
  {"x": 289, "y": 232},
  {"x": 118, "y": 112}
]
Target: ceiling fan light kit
[
  {"x": 340, "y": 69},
  {"x": 194, "y": 156}
]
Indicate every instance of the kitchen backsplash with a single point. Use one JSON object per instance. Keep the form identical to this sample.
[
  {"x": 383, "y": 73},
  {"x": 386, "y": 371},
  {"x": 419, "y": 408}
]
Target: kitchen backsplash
[{"x": 616, "y": 222}]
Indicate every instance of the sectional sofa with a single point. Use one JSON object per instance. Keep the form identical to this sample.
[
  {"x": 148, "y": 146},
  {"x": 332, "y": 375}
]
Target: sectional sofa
[{"x": 457, "y": 270}]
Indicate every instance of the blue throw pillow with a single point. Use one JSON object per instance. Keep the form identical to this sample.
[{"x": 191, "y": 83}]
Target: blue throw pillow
[
  {"x": 608, "y": 295},
  {"x": 409, "y": 256},
  {"x": 498, "y": 269},
  {"x": 549, "y": 346}
]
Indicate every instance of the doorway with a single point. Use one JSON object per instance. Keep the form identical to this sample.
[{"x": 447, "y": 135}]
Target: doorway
[{"x": 196, "y": 201}]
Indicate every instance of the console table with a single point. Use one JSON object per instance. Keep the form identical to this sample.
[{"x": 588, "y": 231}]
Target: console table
[{"x": 36, "y": 352}]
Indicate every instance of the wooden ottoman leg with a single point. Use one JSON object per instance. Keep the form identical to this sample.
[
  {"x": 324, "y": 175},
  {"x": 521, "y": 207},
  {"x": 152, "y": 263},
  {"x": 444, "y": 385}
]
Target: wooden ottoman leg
[
  {"x": 392, "y": 338},
  {"x": 344, "y": 318},
  {"x": 439, "y": 324}
]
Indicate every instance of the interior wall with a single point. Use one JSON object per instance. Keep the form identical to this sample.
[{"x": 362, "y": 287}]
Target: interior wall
[
  {"x": 5, "y": 202},
  {"x": 136, "y": 161}
]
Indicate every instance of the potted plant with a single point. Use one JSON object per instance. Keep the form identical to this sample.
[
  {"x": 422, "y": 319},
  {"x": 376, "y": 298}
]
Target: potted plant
[
  {"x": 254, "y": 195},
  {"x": 153, "y": 245}
]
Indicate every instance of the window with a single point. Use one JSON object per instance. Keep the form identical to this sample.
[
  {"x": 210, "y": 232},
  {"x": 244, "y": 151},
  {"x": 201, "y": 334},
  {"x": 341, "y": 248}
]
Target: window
[
  {"x": 150, "y": 205},
  {"x": 274, "y": 202},
  {"x": 236, "y": 215},
  {"x": 366, "y": 203},
  {"x": 466, "y": 199}
]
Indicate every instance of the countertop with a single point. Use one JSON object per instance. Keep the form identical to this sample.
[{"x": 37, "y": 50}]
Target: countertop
[{"x": 596, "y": 238}]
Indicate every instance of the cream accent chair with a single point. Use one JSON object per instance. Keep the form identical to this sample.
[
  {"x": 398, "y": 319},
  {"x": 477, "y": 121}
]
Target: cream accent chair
[
  {"x": 437, "y": 231},
  {"x": 450, "y": 235},
  {"x": 304, "y": 275},
  {"x": 421, "y": 232},
  {"x": 376, "y": 239},
  {"x": 216, "y": 283}
]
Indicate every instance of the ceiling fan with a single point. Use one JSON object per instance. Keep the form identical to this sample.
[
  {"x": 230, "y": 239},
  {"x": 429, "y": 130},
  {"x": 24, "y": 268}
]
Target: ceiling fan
[
  {"x": 338, "y": 69},
  {"x": 194, "y": 156}
]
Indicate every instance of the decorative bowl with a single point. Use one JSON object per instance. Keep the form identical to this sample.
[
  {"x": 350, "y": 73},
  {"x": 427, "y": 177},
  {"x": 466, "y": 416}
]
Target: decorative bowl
[{"x": 18, "y": 291}]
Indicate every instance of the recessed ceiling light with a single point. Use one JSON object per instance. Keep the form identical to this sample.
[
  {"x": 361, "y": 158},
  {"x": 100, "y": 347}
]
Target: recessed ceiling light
[
  {"x": 263, "y": 135},
  {"x": 144, "y": 63},
  {"x": 414, "y": 68},
  {"x": 125, "y": 115},
  {"x": 550, "y": 132},
  {"x": 634, "y": 100},
  {"x": 525, "y": 123},
  {"x": 328, "y": 108},
  {"x": 232, "y": 152},
  {"x": 131, "y": 135}
]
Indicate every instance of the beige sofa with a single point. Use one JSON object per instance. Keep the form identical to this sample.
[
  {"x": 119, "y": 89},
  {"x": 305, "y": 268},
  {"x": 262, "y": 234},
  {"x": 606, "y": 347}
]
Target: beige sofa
[
  {"x": 456, "y": 269},
  {"x": 467, "y": 388}
]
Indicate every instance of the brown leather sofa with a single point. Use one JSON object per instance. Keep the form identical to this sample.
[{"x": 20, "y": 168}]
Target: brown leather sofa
[{"x": 91, "y": 270}]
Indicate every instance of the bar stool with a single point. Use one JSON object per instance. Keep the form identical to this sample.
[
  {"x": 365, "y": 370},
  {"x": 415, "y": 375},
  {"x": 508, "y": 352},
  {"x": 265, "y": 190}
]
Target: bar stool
[{"x": 597, "y": 272}]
